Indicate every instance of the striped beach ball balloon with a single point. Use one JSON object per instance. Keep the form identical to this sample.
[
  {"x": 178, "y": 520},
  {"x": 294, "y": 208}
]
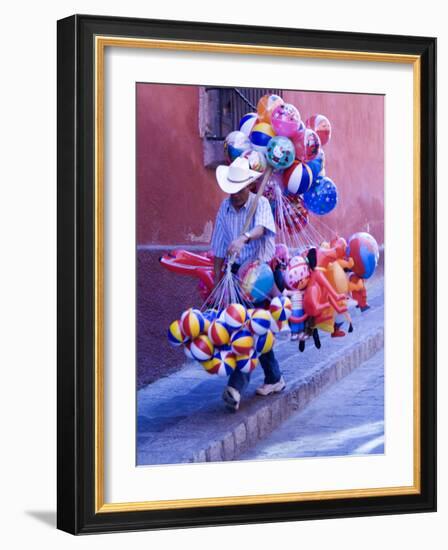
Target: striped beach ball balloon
[
  {"x": 228, "y": 364},
  {"x": 275, "y": 326},
  {"x": 210, "y": 314},
  {"x": 242, "y": 341},
  {"x": 222, "y": 366},
  {"x": 247, "y": 123},
  {"x": 175, "y": 336},
  {"x": 218, "y": 333},
  {"x": 207, "y": 324},
  {"x": 201, "y": 348},
  {"x": 250, "y": 312},
  {"x": 298, "y": 178},
  {"x": 246, "y": 363},
  {"x": 187, "y": 350},
  {"x": 264, "y": 343},
  {"x": 235, "y": 316},
  {"x": 192, "y": 323},
  {"x": 321, "y": 125},
  {"x": 280, "y": 308},
  {"x": 261, "y": 135},
  {"x": 260, "y": 321}
]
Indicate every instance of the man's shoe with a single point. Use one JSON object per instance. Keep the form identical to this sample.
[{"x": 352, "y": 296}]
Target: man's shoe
[
  {"x": 267, "y": 389},
  {"x": 231, "y": 398}
]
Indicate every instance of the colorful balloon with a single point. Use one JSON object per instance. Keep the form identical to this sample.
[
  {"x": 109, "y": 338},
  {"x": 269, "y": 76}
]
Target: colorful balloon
[
  {"x": 285, "y": 120},
  {"x": 210, "y": 314},
  {"x": 364, "y": 251},
  {"x": 307, "y": 145},
  {"x": 260, "y": 321},
  {"x": 187, "y": 350},
  {"x": 257, "y": 280},
  {"x": 192, "y": 323},
  {"x": 235, "y": 316},
  {"x": 322, "y": 198},
  {"x": 242, "y": 341},
  {"x": 321, "y": 125},
  {"x": 297, "y": 274},
  {"x": 266, "y": 106},
  {"x": 235, "y": 144},
  {"x": 275, "y": 326},
  {"x": 298, "y": 178},
  {"x": 280, "y": 308},
  {"x": 280, "y": 152},
  {"x": 264, "y": 343},
  {"x": 218, "y": 333},
  {"x": 261, "y": 135},
  {"x": 317, "y": 165},
  {"x": 175, "y": 335},
  {"x": 257, "y": 160},
  {"x": 246, "y": 363},
  {"x": 250, "y": 312},
  {"x": 201, "y": 348},
  {"x": 247, "y": 123},
  {"x": 220, "y": 364}
]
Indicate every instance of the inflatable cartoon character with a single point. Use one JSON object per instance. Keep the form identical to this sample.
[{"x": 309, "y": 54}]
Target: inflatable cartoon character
[
  {"x": 358, "y": 291},
  {"x": 297, "y": 278},
  {"x": 320, "y": 297},
  {"x": 337, "y": 276}
]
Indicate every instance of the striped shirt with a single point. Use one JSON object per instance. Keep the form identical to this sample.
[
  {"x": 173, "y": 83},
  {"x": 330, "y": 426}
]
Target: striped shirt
[{"x": 229, "y": 226}]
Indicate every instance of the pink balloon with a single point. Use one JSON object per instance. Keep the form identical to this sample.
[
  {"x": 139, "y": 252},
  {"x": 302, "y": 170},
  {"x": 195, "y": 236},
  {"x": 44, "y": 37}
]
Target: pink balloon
[
  {"x": 307, "y": 145},
  {"x": 285, "y": 120}
]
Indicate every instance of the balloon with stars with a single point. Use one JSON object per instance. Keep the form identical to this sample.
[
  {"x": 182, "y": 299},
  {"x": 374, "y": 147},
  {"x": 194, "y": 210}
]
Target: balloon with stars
[{"x": 322, "y": 198}]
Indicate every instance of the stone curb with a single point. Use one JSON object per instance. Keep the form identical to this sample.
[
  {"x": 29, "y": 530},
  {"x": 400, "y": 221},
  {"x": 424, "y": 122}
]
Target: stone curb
[{"x": 259, "y": 424}]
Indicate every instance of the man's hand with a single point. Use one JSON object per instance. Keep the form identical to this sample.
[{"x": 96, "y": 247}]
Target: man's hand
[
  {"x": 218, "y": 263},
  {"x": 236, "y": 246}
]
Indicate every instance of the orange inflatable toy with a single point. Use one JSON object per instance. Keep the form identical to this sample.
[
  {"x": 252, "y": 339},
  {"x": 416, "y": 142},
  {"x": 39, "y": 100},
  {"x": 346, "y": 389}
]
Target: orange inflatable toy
[
  {"x": 339, "y": 281},
  {"x": 358, "y": 291},
  {"x": 320, "y": 297}
]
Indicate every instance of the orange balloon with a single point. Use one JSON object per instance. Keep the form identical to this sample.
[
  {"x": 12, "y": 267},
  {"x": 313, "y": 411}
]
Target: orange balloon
[{"x": 266, "y": 105}]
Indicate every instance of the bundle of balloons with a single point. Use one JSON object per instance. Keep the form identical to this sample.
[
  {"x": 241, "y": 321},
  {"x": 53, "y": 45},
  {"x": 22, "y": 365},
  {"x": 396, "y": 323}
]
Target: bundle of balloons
[
  {"x": 232, "y": 338},
  {"x": 316, "y": 277},
  {"x": 276, "y": 135},
  {"x": 317, "y": 285}
]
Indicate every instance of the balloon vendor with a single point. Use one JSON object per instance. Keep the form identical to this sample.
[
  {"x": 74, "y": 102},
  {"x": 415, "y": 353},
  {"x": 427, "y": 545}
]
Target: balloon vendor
[{"x": 257, "y": 243}]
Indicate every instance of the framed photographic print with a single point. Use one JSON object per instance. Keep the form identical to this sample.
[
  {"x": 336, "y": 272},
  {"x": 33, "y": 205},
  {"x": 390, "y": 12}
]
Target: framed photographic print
[{"x": 246, "y": 274}]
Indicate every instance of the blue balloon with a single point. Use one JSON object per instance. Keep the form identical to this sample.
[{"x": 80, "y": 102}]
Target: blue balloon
[
  {"x": 322, "y": 198},
  {"x": 316, "y": 166}
]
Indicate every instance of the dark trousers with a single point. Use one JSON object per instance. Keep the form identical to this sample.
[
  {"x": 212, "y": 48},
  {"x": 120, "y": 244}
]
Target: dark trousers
[{"x": 272, "y": 373}]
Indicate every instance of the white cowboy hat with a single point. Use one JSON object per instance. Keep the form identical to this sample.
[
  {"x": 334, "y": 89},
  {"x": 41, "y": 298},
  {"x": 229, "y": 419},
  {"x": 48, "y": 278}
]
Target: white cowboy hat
[{"x": 235, "y": 177}]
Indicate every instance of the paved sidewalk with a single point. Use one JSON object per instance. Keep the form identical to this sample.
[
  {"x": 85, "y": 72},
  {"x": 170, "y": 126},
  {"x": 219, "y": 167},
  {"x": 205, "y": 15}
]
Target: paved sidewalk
[
  {"x": 181, "y": 418},
  {"x": 346, "y": 419}
]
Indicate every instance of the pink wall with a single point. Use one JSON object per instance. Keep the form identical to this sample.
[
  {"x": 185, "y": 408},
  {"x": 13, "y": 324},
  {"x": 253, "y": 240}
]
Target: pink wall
[
  {"x": 176, "y": 195},
  {"x": 177, "y": 198},
  {"x": 354, "y": 157}
]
